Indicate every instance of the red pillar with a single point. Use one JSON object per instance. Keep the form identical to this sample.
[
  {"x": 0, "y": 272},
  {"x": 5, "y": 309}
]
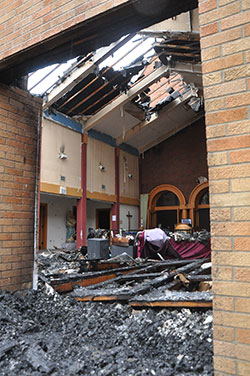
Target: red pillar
[
  {"x": 81, "y": 204},
  {"x": 139, "y": 191},
  {"x": 116, "y": 207}
]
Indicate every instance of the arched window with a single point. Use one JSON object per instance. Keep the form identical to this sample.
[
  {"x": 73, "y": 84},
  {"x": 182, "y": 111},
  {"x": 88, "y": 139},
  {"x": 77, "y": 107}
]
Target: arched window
[
  {"x": 199, "y": 207},
  {"x": 165, "y": 207}
]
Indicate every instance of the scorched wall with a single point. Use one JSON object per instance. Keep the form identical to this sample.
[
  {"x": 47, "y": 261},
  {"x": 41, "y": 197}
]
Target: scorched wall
[{"x": 19, "y": 122}]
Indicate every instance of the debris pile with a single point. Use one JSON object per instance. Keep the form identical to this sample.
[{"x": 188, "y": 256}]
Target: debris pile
[
  {"x": 152, "y": 285},
  {"x": 58, "y": 261},
  {"x": 56, "y": 335}
]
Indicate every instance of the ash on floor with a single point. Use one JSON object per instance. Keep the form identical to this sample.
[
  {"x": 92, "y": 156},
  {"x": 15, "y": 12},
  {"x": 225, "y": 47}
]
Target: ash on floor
[{"x": 55, "y": 335}]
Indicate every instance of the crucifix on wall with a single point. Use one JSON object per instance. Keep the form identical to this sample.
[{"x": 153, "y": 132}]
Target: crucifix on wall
[{"x": 129, "y": 218}]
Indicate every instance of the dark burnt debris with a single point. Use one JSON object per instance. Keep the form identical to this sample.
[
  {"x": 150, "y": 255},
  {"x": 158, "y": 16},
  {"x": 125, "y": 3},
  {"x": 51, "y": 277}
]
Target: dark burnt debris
[
  {"x": 179, "y": 262},
  {"x": 120, "y": 316},
  {"x": 55, "y": 335}
]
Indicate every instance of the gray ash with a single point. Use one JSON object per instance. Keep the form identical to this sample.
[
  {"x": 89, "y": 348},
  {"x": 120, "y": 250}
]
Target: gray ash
[{"x": 46, "y": 335}]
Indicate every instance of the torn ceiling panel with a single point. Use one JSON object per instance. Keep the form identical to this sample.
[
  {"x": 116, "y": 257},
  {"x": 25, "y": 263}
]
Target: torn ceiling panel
[
  {"x": 116, "y": 123},
  {"x": 143, "y": 103},
  {"x": 172, "y": 119}
]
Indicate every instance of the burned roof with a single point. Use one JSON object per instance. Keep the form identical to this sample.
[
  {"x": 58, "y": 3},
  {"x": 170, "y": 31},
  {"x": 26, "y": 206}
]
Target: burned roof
[
  {"x": 123, "y": 103},
  {"x": 96, "y": 90}
]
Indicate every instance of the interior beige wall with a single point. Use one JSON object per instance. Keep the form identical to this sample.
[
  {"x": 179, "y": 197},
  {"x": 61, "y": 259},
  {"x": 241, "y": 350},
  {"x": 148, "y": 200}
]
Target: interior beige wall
[
  {"x": 129, "y": 187},
  {"x": 52, "y": 168},
  {"x": 179, "y": 23},
  {"x": 99, "y": 152}
]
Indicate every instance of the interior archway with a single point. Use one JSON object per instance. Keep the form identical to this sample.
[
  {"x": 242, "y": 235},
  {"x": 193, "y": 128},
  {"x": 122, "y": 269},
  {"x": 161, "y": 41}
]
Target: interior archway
[
  {"x": 199, "y": 207},
  {"x": 166, "y": 207}
]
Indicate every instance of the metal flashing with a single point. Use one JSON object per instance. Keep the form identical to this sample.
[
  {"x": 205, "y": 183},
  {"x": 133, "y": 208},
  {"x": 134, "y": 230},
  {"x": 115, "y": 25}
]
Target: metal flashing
[
  {"x": 129, "y": 149},
  {"x": 63, "y": 120},
  {"x": 102, "y": 137}
]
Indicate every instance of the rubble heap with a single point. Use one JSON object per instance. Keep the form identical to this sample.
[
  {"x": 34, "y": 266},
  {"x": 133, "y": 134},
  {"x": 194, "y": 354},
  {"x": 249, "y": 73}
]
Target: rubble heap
[{"x": 56, "y": 335}]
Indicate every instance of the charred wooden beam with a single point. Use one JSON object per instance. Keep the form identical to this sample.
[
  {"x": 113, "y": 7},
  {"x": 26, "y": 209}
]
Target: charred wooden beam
[
  {"x": 143, "y": 272},
  {"x": 86, "y": 295},
  {"x": 92, "y": 278},
  {"x": 199, "y": 278},
  {"x": 173, "y": 304},
  {"x": 103, "y": 298},
  {"x": 167, "y": 278}
]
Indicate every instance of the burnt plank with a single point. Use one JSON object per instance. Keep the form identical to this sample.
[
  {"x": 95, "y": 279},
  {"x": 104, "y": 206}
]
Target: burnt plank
[
  {"x": 91, "y": 278},
  {"x": 126, "y": 294},
  {"x": 151, "y": 268},
  {"x": 167, "y": 277},
  {"x": 173, "y": 304},
  {"x": 103, "y": 298},
  {"x": 204, "y": 269},
  {"x": 199, "y": 278},
  {"x": 127, "y": 277}
]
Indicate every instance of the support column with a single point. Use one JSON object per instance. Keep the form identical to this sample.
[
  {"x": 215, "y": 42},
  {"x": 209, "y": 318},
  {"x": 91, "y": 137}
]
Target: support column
[
  {"x": 139, "y": 192},
  {"x": 116, "y": 207},
  {"x": 81, "y": 204}
]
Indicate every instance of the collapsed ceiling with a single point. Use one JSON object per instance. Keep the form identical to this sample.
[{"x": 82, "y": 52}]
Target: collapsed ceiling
[{"x": 141, "y": 104}]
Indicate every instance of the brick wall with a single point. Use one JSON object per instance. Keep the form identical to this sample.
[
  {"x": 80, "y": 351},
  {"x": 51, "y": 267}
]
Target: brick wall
[
  {"x": 178, "y": 162},
  {"x": 18, "y": 139},
  {"x": 25, "y": 23},
  {"x": 225, "y": 42}
]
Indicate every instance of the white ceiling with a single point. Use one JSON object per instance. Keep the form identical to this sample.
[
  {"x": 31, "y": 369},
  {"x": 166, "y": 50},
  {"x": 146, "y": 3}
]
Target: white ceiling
[{"x": 171, "y": 119}]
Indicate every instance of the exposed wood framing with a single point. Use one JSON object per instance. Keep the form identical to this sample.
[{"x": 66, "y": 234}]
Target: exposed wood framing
[
  {"x": 80, "y": 73},
  {"x": 124, "y": 98},
  {"x": 145, "y": 124}
]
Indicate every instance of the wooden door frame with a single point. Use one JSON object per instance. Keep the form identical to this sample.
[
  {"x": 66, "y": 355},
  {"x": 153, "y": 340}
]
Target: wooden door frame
[{"x": 45, "y": 227}]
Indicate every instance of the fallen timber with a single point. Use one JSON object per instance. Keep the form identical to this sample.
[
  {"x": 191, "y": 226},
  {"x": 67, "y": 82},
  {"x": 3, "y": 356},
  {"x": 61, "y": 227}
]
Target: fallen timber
[
  {"x": 172, "y": 304},
  {"x": 102, "y": 293},
  {"x": 66, "y": 283},
  {"x": 199, "y": 278},
  {"x": 146, "y": 272}
]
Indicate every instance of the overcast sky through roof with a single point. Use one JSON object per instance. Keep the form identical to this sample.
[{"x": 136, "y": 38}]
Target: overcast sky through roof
[{"x": 59, "y": 69}]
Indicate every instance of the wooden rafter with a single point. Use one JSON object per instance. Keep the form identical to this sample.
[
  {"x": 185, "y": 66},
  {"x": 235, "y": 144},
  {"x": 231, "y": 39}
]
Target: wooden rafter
[
  {"x": 82, "y": 72},
  {"x": 124, "y": 98}
]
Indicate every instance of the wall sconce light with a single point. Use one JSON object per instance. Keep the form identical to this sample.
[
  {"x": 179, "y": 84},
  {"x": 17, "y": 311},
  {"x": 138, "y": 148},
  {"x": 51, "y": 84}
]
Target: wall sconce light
[
  {"x": 101, "y": 167},
  {"x": 130, "y": 176},
  {"x": 62, "y": 154}
]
